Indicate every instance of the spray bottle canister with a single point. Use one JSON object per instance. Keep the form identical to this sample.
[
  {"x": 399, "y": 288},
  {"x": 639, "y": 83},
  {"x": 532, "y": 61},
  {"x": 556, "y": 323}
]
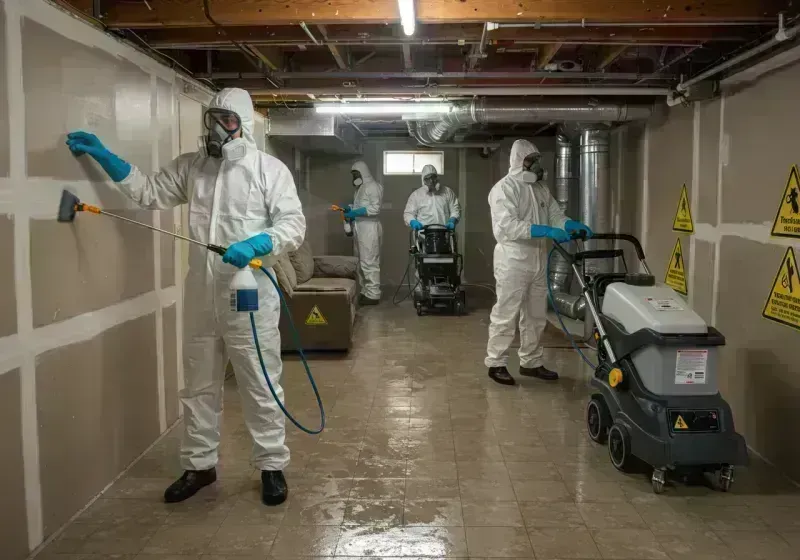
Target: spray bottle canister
[
  {"x": 244, "y": 291},
  {"x": 348, "y": 228}
]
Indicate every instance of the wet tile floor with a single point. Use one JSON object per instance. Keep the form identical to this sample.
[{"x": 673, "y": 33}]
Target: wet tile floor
[{"x": 424, "y": 457}]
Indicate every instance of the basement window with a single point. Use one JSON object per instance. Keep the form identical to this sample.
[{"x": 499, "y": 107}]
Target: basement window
[{"x": 411, "y": 163}]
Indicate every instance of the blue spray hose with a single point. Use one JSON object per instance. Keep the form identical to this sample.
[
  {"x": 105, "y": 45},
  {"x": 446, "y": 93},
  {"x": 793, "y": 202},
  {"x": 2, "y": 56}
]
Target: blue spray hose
[
  {"x": 302, "y": 357},
  {"x": 558, "y": 315}
]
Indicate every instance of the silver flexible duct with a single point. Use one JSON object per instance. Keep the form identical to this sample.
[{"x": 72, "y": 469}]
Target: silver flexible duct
[{"x": 489, "y": 110}]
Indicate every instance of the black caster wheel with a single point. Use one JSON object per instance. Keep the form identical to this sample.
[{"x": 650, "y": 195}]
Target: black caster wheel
[
  {"x": 420, "y": 310},
  {"x": 658, "y": 480},
  {"x": 458, "y": 307},
  {"x": 598, "y": 420},
  {"x": 725, "y": 478},
  {"x": 619, "y": 448}
]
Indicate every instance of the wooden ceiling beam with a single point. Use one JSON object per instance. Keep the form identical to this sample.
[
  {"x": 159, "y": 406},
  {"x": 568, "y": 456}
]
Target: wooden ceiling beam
[
  {"x": 546, "y": 54},
  {"x": 189, "y": 13},
  {"x": 609, "y": 55}
]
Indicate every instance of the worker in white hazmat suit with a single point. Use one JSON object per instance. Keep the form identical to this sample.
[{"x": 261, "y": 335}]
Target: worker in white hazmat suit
[
  {"x": 524, "y": 216},
  {"x": 245, "y": 200},
  {"x": 432, "y": 203},
  {"x": 363, "y": 213}
]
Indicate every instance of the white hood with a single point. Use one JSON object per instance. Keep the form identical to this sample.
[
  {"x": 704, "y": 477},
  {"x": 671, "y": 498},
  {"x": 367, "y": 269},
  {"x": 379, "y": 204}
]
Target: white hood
[
  {"x": 427, "y": 170},
  {"x": 362, "y": 168},
  {"x": 238, "y": 101},
  {"x": 519, "y": 151}
]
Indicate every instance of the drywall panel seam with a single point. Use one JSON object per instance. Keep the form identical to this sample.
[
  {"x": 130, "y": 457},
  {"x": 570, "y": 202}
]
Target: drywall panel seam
[
  {"x": 718, "y": 242},
  {"x": 80, "y": 512},
  {"x": 22, "y": 272},
  {"x": 694, "y": 194},
  {"x": 177, "y": 254},
  {"x": 645, "y": 222},
  {"x": 159, "y": 334},
  {"x": 6, "y": 196},
  {"x": 760, "y": 233},
  {"x": 75, "y": 29}
]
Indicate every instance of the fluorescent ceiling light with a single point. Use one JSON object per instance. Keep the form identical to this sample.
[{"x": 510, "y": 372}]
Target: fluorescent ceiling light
[
  {"x": 408, "y": 19},
  {"x": 383, "y": 109}
]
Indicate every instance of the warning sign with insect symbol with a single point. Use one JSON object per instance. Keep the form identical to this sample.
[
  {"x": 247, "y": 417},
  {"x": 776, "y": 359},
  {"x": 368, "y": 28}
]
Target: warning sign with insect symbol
[
  {"x": 316, "y": 318},
  {"x": 783, "y": 303},
  {"x": 787, "y": 218},
  {"x": 676, "y": 271},
  {"x": 683, "y": 215}
]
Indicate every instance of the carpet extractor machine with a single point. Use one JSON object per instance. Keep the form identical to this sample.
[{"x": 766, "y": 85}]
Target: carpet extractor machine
[
  {"x": 439, "y": 265},
  {"x": 655, "y": 395}
]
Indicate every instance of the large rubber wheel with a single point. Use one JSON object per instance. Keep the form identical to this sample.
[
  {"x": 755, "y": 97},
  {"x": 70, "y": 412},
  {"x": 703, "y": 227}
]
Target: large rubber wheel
[
  {"x": 420, "y": 310},
  {"x": 459, "y": 305},
  {"x": 619, "y": 447},
  {"x": 598, "y": 420}
]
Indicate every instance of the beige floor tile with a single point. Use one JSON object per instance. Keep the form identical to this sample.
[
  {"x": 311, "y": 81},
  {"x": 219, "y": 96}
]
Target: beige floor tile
[
  {"x": 557, "y": 544},
  {"x": 380, "y": 468},
  {"x": 431, "y": 469},
  {"x": 434, "y": 541},
  {"x": 541, "y": 491},
  {"x": 588, "y": 491},
  {"x": 610, "y": 516},
  {"x": 378, "y": 489},
  {"x": 662, "y": 519},
  {"x": 482, "y": 491},
  {"x": 499, "y": 542},
  {"x": 314, "y": 540},
  {"x": 538, "y": 515},
  {"x": 327, "y": 512},
  {"x": 370, "y": 541},
  {"x": 758, "y": 545},
  {"x": 242, "y": 539},
  {"x": 632, "y": 544},
  {"x": 780, "y": 518},
  {"x": 725, "y": 517},
  {"x": 249, "y": 512},
  {"x": 694, "y": 546},
  {"x": 433, "y": 513},
  {"x": 181, "y": 540},
  {"x": 493, "y": 514},
  {"x": 432, "y": 489},
  {"x": 374, "y": 512},
  {"x": 532, "y": 470},
  {"x": 525, "y": 453}
]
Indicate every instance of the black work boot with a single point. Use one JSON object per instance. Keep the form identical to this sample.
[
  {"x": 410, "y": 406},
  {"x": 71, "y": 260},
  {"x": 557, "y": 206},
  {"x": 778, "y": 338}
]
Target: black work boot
[
  {"x": 364, "y": 300},
  {"x": 501, "y": 375},
  {"x": 188, "y": 485},
  {"x": 274, "y": 489},
  {"x": 540, "y": 372}
]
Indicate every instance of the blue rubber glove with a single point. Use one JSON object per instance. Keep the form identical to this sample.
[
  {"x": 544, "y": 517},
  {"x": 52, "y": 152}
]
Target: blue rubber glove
[
  {"x": 451, "y": 224},
  {"x": 354, "y": 213},
  {"x": 86, "y": 143},
  {"x": 415, "y": 225},
  {"x": 555, "y": 234},
  {"x": 240, "y": 254},
  {"x": 573, "y": 226}
]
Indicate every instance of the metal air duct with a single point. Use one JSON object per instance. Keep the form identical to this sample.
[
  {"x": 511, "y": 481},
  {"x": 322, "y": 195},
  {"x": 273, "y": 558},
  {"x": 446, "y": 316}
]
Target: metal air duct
[{"x": 505, "y": 111}]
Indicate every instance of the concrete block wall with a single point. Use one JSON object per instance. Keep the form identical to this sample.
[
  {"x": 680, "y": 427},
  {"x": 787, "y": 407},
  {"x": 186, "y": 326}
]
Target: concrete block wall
[
  {"x": 90, "y": 312},
  {"x": 734, "y": 154}
]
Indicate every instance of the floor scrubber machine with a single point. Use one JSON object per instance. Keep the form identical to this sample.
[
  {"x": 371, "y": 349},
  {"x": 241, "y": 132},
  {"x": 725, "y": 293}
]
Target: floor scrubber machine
[
  {"x": 655, "y": 395},
  {"x": 438, "y": 264}
]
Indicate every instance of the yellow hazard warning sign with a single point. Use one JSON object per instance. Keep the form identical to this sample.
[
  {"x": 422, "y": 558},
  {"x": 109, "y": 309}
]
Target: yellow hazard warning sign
[
  {"x": 683, "y": 215},
  {"x": 787, "y": 218},
  {"x": 676, "y": 270},
  {"x": 680, "y": 423},
  {"x": 315, "y": 317},
  {"x": 783, "y": 304}
]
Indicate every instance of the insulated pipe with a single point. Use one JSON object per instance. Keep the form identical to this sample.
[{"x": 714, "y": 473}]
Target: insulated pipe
[
  {"x": 490, "y": 111},
  {"x": 412, "y": 131},
  {"x": 560, "y": 269},
  {"x": 443, "y": 90},
  {"x": 568, "y": 305},
  {"x": 641, "y": 24}
]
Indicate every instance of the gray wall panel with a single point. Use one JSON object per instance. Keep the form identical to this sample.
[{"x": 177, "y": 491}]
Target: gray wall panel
[
  {"x": 13, "y": 521},
  {"x": 8, "y": 297}
]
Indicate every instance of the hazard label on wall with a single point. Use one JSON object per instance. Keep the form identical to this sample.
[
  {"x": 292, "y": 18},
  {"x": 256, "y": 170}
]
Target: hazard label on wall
[
  {"x": 683, "y": 215},
  {"x": 315, "y": 317},
  {"x": 676, "y": 271},
  {"x": 787, "y": 218},
  {"x": 783, "y": 304}
]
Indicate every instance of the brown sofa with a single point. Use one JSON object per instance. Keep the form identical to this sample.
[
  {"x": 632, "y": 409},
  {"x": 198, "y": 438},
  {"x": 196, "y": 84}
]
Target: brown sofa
[{"x": 321, "y": 294}]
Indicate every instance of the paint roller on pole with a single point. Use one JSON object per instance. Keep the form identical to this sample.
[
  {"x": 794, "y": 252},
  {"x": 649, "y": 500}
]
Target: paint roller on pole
[{"x": 70, "y": 205}]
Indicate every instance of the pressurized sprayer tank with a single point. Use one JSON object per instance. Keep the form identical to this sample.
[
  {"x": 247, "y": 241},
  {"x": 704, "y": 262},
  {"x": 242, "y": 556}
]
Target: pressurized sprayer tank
[{"x": 244, "y": 291}]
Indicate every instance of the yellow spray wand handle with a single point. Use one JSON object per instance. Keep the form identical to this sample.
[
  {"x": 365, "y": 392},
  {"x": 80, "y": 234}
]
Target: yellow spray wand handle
[
  {"x": 336, "y": 208},
  {"x": 220, "y": 250}
]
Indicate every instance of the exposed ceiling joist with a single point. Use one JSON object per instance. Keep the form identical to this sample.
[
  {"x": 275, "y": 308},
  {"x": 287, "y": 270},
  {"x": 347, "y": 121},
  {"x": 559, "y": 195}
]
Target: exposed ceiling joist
[
  {"x": 337, "y": 56},
  {"x": 609, "y": 55},
  {"x": 547, "y": 53},
  {"x": 264, "y": 12},
  {"x": 270, "y": 56}
]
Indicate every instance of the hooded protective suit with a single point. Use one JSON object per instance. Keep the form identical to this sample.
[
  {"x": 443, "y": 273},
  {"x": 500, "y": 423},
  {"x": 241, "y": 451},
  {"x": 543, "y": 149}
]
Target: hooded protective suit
[
  {"x": 519, "y": 261},
  {"x": 240, "y": 195},
  {"x": 431, "y": 208},
  {"x": 368, "y": 232}
]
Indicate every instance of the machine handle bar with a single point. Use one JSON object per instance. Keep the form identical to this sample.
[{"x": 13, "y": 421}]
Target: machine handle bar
[{"x": 623, "y": 237}]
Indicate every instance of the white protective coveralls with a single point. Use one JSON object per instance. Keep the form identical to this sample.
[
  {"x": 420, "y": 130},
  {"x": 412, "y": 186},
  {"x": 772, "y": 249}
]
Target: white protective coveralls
[
  {"x": 520, "y": 262},
  {"x": 369, "y": 232},
  {"x": 242, "y": 194},
  {"x": 431, "y": 208}
]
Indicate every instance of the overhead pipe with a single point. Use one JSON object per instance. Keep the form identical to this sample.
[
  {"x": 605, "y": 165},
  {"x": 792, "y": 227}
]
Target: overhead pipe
[
  {"x": 780, "y": 36},
  {"x": 642, "y": 24},
  {"x": 418, "y": 75},
  {"x": 413, "y": 132},
  {"x": 505, "y": 111},
  {"x": 443, "y": 90}
]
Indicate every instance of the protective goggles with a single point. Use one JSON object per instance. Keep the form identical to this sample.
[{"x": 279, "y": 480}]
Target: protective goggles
[
  {"x": 430, "y": 180},
  {"x": 228, "y": 120},
  {"x": 530, "y": 160}
]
